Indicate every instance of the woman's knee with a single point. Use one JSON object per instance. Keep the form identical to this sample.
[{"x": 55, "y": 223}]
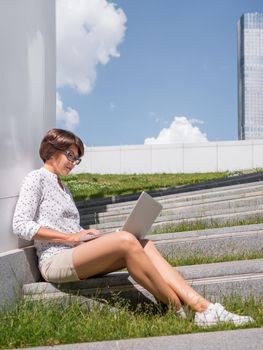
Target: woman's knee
[{"x": 128, "y": 241}]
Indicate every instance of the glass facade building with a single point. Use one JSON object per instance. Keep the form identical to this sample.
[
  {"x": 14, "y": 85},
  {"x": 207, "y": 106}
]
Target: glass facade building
[{"x": 250, "y": 76}]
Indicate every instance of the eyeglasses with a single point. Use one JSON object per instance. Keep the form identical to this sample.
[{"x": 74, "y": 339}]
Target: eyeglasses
[{"x": 71, "y": 157}]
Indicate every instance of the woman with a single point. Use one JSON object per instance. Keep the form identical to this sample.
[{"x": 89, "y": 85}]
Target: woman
[{"x": 46, "y": 213}]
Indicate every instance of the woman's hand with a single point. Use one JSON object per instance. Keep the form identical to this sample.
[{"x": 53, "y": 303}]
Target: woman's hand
[
  {"x": 54, "y": 236},
  {"x": 74, "y": 238}
]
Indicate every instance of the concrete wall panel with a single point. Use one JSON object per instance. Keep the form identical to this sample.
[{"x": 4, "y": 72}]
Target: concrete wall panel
[
  {"x": 27, "y": 99},
  {"x": 200, "y": 156},
  {"x": 167, "y": 159},
  {"x": 258, "y": 153},
  {"x": 234, "y": 156},
  {"x": 175, "y": 158},
  {"x": 136, "y": 159}
]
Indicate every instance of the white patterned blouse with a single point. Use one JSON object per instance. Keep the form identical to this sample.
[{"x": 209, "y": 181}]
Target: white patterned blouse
[{"x": 43, "y": 203}]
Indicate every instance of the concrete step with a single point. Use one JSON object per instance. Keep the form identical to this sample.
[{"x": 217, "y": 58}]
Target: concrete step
[
  {"x": 216, "y": 243},
  {"x": 183, "y": 212},
  {"x": 183, "y": 207},
  {"x": 163, "y": 221},
  {"x": 247, "y": 199},
  {"x": 86, "y": 207},
  {"x": 215, "y": 281}
]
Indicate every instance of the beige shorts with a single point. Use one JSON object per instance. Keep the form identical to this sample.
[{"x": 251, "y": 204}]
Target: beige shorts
[{"x": 59, "y": 268}]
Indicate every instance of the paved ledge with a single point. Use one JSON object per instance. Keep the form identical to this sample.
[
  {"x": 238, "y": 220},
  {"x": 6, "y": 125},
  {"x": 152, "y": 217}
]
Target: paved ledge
[
  {"x": 241, "y": 339},
  {"x": 215, "y": 281},
  {"x": 17, "y": 267}
]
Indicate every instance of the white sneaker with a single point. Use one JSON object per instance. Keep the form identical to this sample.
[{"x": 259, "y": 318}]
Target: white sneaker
[{"x": 216, "y": 313}]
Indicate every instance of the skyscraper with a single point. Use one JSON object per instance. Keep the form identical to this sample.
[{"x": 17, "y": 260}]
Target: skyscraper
[{"x": 250, "y": 76}]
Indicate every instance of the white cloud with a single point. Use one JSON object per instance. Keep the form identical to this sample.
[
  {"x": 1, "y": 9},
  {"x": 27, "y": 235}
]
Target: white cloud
[
  {"x": 88, "y": 33},
  {"x": 180, "y": 130},
  {"x": 196, "y": 121},
  {"x": 68, "y": 118}
]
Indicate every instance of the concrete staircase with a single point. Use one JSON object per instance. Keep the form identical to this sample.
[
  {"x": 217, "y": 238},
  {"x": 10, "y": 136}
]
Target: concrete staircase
[
  {"x": 222, "y": 204},
  {"x": 217, "y": 280}
]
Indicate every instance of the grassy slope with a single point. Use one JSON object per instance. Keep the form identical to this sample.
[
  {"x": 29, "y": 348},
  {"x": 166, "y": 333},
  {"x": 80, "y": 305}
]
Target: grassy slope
[{"x": 86, "y": 186}]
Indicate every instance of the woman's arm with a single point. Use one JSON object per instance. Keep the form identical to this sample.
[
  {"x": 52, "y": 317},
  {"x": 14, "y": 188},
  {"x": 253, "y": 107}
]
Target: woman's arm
[{"x": 47, "y": 234}]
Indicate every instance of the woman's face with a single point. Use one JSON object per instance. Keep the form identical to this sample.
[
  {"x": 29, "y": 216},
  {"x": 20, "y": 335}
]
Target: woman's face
[{"x": 59, "y": 162}]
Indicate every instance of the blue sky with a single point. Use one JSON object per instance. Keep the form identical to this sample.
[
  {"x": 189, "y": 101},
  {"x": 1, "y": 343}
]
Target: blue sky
[{"x": 172, "y": 59}]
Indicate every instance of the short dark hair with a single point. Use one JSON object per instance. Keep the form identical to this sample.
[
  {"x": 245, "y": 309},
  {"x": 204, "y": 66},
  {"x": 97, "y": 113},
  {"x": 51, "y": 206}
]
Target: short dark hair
[{"x": 59, "y": 140}]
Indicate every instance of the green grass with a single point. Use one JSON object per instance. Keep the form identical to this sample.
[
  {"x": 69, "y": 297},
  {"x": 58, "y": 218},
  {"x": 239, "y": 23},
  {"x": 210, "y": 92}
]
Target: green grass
[
  {"x": 202, "y": 225},
  {"x": 87, "y": 186},
  {"x": 50, "y": 323},
  {"x": 207, "y": 259}
]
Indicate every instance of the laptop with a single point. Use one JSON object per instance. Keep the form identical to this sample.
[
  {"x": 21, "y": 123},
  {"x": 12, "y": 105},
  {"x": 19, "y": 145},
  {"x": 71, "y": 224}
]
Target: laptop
[{"x": 140, "y": 219}]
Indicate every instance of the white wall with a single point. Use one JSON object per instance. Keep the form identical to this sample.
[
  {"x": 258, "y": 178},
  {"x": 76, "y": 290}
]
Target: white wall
[
  {"x": 176, "y": 158},
  {"x": 27, "y": 96}
]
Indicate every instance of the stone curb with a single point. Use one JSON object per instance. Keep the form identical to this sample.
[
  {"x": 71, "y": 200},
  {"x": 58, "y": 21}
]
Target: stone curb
[{"x": 240, "y": 339}]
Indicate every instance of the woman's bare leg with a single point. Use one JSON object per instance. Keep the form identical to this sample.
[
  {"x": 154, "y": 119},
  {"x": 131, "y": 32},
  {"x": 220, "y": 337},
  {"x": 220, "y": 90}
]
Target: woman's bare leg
[
  {"x": 186, "y": 293},
  {"x": 117, "y": 250}
]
